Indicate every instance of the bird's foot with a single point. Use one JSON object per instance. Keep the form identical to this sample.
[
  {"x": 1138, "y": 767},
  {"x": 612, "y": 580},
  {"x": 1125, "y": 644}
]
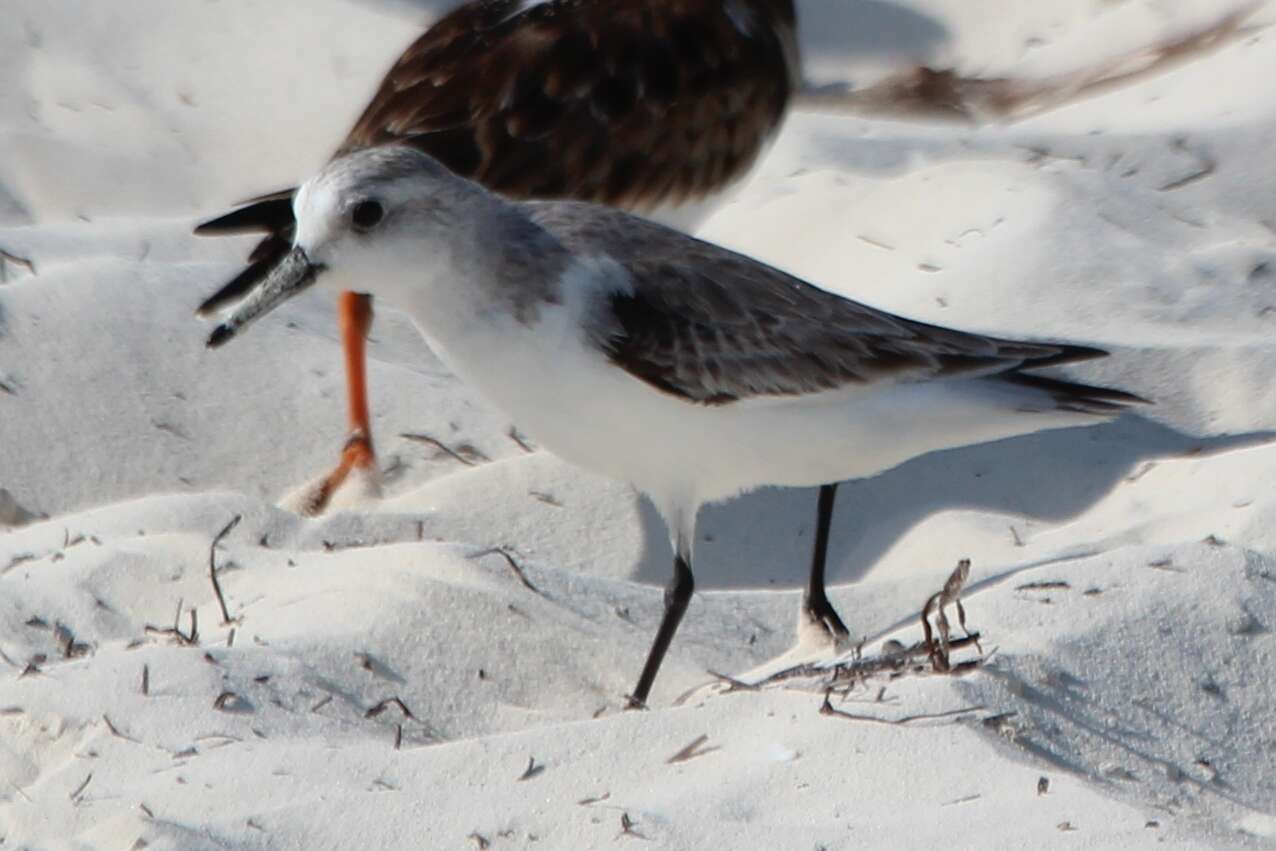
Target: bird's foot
[
  {"x": 355, "y": 480},
  {"x": 819, "y": 626}
]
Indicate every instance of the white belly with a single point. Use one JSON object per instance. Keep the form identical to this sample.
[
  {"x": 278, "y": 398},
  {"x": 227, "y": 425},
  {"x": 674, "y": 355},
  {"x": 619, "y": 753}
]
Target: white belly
[{"x": 570, "y": 399}]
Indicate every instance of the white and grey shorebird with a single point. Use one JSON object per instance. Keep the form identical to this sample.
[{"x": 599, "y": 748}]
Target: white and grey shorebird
[
  {"x": 655, "y": 106},
  {"x": 633, "y": 350}
]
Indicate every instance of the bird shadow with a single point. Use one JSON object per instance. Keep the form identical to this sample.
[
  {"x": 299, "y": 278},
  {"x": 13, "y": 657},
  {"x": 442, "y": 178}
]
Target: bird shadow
[{"x": 763, "y": 539}]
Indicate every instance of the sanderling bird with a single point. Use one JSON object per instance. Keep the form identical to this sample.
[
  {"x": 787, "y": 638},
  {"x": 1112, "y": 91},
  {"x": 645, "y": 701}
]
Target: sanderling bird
[
  {"x": 651, "y": 106},
  {"x": 690, "y": 371}
]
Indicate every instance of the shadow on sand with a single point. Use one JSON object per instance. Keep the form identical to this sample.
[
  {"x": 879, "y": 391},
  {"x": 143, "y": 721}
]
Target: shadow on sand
[{"x": 763, "y": 539}]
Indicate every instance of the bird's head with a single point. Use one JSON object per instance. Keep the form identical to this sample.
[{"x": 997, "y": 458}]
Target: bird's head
[{"x": 381, "y": 220}]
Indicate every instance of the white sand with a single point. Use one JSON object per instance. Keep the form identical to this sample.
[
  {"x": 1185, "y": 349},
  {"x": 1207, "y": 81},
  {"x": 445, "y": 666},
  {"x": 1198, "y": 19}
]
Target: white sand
[{"x": 1142, "y": 688}]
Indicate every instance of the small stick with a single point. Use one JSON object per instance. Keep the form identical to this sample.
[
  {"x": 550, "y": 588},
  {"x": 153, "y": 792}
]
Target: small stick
[
  {"x": 386, "y": 704},
  {"x": 228, "y": 701},
  {"x": 13, "y": 258},
  {"x": 79, "y": 790},
  {"x": 447, "y": 450},
  {"x": 948, "y": 594},
  {"x": 692, "y": 750},
  {"x": 627, "y": 827},
  {"x": 514, "y": 566},
  {"x": 513, "y": 435},
  {"x": 146, "y": 680},
  {"x": 829, "y": 709},
  {"x": 532, "y": 769},
  {"x": 212, "y": 567},
  {"x": 115, "y": 731}
]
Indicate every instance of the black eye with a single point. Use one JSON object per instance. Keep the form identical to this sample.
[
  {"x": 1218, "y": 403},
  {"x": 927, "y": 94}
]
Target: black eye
[{"x": 366, "y": 215}]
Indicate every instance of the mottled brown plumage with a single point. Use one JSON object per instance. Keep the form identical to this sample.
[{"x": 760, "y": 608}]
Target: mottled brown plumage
[{"x": 632, "y": 103}]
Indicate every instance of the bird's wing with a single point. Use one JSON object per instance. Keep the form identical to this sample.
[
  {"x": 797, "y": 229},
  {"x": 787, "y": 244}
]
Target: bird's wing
[{"x": 713, "y": 326}]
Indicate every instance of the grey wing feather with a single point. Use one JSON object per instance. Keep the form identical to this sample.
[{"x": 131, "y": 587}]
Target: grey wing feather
[{"x": 712, "y": 326}]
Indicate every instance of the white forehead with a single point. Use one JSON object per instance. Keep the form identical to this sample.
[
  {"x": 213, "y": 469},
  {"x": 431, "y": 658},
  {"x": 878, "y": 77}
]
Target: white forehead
[{"x": 389, "y": 173}]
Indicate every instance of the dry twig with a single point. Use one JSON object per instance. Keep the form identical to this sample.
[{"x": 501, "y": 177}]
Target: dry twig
[
  {"x": 532, "y": 769},
  {"x": 10, "y": 257},
  {"x": 692, "y": 750},
  {"x": 212, "y": 567},
  {"x": 828, "y": 709},
  {"x": 467, "y": 454},
  {"x": 514, "y": 435},
  {"x": 949, "y": 594},
  {"x": 386, "y": 704},
  {"x": 627, "y": 827},
  {"x": 79, "y": 790},
  {"x": 514, "y": 566}
]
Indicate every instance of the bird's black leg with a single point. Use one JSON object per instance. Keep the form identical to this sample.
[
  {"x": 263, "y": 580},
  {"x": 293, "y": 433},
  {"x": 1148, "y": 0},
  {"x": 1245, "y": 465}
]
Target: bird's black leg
[
  {"x": 815, "y": 603},
  {"x": 677, "y": 596}
]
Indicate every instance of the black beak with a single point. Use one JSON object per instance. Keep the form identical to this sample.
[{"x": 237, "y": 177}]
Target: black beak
[{"x": 293, "y": 274}]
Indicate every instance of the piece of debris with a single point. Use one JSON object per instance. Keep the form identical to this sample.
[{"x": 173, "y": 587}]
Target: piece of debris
[
  {"x": 212, "y": 568},
  {"x": 514, "y": 435},
  {"x": 692, "y": 750},
  {"x": 78, "y": 794},
  {"x": 10, "y": 257},
  {"x": 827, "y": 708},
  {"x": 627, "y": 827},
  {"x": 1043, "y": 785},
  {"x": 1045, "y": 585},
  {"x": 514, "y": 566},
  {"x": 229, "y": 701},
  {"x": 465, "y": 453},
  {"x": 949, "y": 594},
  {"x": 1205, "y": 167},
  {"x": 963, "y": 800},
  {"x": 376, "y": 667},
  {"x": 532, "y": 769},
  {"x": 386, "y": 704}
]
